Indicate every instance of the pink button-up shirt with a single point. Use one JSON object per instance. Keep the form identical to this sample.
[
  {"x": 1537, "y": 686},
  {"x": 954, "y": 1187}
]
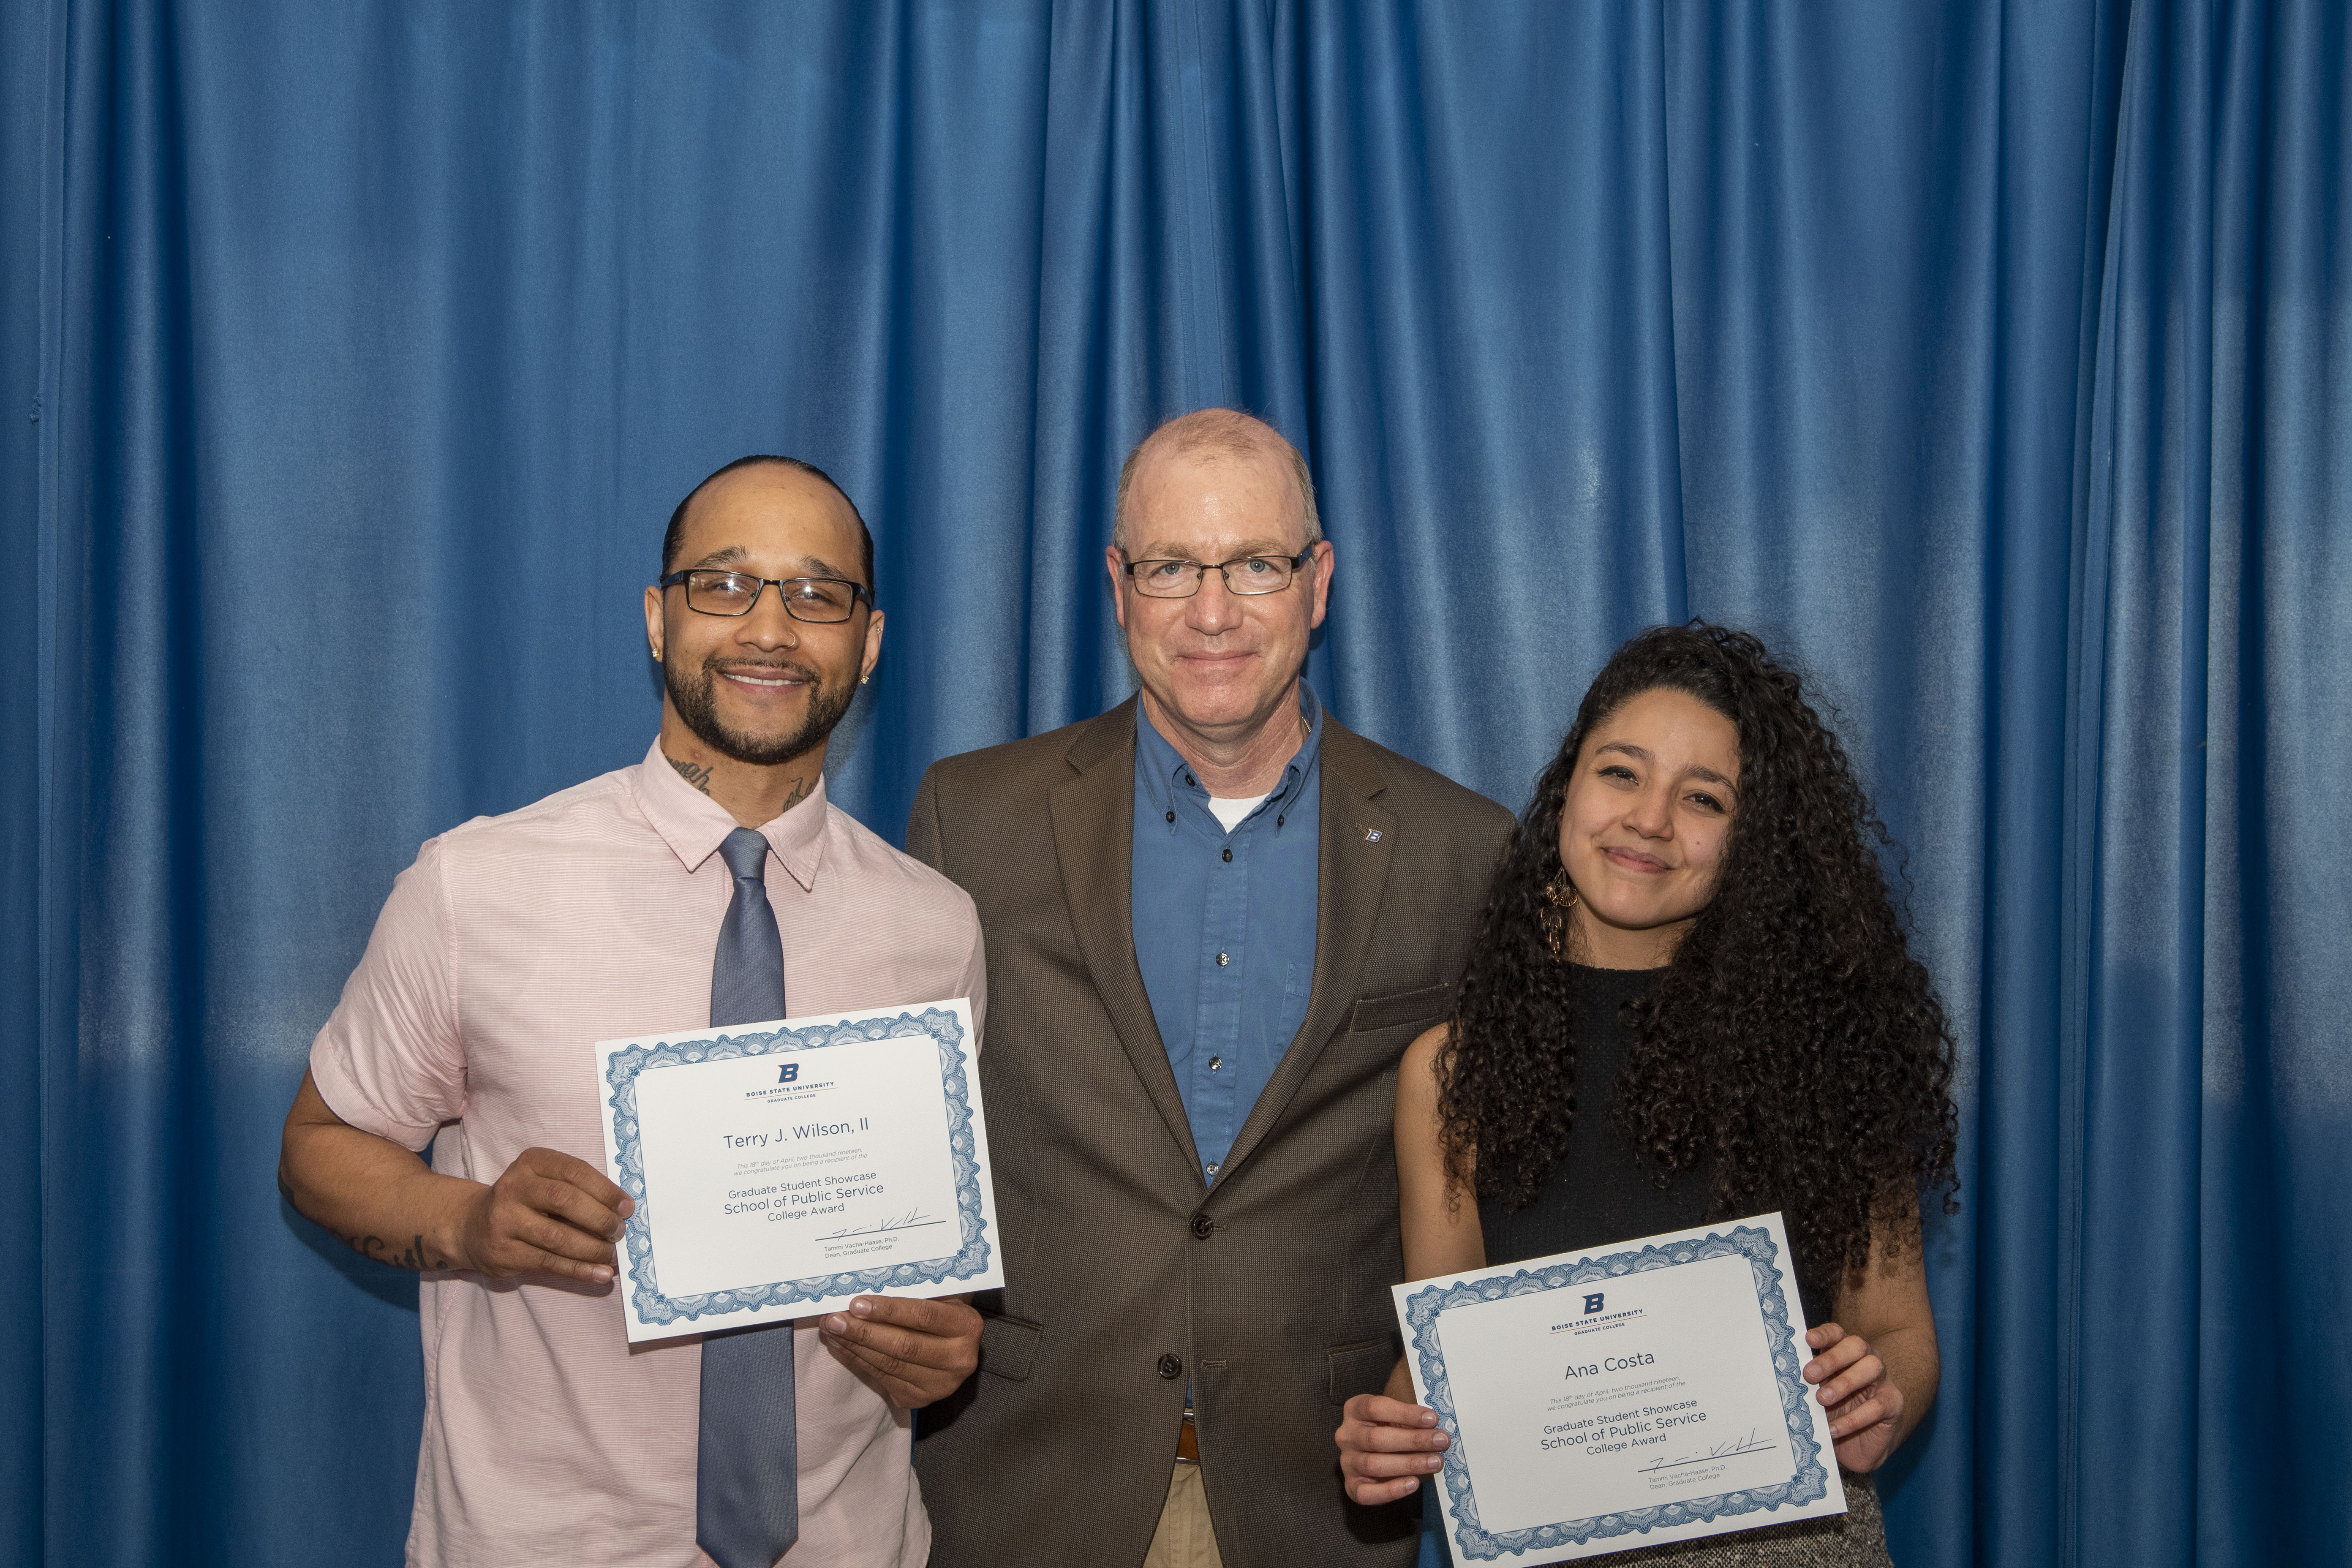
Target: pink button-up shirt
[{"x": 512, "y": 946}]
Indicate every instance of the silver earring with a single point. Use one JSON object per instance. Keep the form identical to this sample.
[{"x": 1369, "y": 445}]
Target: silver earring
[{"x": 864, "y": 678}]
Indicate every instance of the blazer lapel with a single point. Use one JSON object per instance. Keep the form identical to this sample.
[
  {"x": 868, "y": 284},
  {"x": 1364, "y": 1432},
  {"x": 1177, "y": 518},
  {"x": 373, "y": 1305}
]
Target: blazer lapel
[
  {"x": 1354, "y": 844},
  {"x": 1094, "y": 838}
]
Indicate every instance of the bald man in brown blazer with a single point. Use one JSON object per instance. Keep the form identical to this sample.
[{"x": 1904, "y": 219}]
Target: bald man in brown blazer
[{"x": 1190, "y": 1088}]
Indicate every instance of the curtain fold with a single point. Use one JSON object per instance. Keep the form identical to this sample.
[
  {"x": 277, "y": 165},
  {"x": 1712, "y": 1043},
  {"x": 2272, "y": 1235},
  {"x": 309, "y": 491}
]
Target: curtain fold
[
  {"x": 28, "y": 64},
  {"x": 2215, "y": 1082},
  {"x": 1995, "y": 362}
]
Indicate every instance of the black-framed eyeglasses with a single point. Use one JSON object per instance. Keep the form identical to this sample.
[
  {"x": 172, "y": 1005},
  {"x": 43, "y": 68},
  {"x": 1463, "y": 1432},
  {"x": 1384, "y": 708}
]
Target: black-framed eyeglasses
[
  {"x": 820, "y": 600},
  {"x": 1162, "y": 578}
]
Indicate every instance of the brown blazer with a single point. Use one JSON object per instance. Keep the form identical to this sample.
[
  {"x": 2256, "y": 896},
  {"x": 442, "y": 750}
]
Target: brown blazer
[{"x": 1125, "y": 1275}]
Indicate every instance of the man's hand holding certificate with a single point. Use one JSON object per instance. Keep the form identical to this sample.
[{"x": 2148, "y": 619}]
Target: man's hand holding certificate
[
  {"x": 1653, "y": 1391},
  {"x": 782, "y": 1170}
]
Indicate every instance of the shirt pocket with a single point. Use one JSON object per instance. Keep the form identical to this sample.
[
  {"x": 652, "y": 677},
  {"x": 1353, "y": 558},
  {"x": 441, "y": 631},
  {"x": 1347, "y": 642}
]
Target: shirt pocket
[{"x": 1420, "y": 1008}]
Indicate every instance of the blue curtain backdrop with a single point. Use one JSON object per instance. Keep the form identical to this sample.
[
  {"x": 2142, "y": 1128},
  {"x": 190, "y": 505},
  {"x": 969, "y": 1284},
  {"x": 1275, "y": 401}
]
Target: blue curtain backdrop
[{"x": 1995, "y": 360}]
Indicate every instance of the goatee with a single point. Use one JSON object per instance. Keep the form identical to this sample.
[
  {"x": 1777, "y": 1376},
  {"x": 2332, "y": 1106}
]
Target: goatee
[{"x": 695, "y": 695}]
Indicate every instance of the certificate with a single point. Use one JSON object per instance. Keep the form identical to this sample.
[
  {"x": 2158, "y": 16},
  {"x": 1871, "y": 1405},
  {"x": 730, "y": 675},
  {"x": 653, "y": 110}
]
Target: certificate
[
  {"x": 780, "y": 1169},
  {"x": 1651, "y": 1390}
]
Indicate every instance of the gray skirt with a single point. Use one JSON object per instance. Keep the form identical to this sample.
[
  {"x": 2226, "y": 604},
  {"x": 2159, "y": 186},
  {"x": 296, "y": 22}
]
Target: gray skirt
[{"x": 1854, "y": 1539}]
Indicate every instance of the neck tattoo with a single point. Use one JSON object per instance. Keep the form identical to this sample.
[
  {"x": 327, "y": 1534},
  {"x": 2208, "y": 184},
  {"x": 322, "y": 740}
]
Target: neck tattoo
[{"x": 696, "y": 775}]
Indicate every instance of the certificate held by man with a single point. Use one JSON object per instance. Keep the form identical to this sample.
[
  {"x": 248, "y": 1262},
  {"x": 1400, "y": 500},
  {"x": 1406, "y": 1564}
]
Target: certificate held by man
[
  {"x": 1648, "y": 1392},
  {"x": 780, "y": 1169}
]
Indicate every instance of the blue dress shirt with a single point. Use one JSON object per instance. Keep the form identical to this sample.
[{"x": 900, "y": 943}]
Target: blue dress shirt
[{"x": 1224, "y": 926}]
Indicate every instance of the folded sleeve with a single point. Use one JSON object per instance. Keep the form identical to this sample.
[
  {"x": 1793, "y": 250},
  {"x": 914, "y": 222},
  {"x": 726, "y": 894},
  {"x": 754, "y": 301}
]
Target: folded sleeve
[{"x": 390, "y": 1059}]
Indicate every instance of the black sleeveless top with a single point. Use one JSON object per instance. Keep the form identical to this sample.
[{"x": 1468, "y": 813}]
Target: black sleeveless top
[{"x": 1604, "y": 1190}]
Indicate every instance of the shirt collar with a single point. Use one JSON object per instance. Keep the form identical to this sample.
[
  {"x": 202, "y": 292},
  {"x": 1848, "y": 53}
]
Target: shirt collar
[
  {"x": 693, "y": 824},
  {"x": 1167, "y": 774}
]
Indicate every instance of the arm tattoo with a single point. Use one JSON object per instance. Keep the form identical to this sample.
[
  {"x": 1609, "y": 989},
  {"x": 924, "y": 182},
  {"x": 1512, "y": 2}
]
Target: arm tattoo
[{"x": 411, "y": 1257}]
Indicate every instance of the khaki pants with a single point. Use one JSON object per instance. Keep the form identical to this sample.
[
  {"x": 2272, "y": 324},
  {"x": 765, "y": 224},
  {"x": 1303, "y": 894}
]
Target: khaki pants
[{"x": 1184, "y": 1539}]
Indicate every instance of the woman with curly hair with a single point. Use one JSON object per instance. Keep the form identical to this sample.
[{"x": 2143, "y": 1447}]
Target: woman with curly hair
[{"x": 1691, "y": 1000}]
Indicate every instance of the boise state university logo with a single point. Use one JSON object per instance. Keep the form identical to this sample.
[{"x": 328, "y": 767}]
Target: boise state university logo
[
  {"x": 1592, "y": 1303},
  {"x": 790, "y": 1070}
]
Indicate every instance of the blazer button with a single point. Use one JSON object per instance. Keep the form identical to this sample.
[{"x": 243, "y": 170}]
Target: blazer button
[
  {"x": 1171, "y": 1367},
  {"x": 1202, "y": 1224}
]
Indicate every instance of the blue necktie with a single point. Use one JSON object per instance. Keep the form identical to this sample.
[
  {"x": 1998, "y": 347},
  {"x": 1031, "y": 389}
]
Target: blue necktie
[{"x": 747, "y": 1505}]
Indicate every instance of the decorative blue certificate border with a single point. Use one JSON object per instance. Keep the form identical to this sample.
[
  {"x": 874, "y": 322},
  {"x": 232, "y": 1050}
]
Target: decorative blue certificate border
[
  {"x": 621, "y": 1073},
  {"x": 1808, "y": 1485}
]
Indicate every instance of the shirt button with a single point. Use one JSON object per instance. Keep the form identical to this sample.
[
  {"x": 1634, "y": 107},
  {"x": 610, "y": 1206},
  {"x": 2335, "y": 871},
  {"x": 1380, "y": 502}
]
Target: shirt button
[
  {"x": 1201, "y": 1225},
  {"x": 1211, "y": 1167},
  {"x": 1224, "y": 959},
  {"x": 1214, "y": 1063},
  {"x": 1171, "y": 816},
  {"x": 1172, "y": 1367},
  {"x": 1229, "y": 854}
]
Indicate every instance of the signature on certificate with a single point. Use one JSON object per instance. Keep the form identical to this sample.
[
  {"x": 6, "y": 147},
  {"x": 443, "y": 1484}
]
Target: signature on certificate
[
  {"x": 1750, "y": 1443},
  {"x": 913, "y": 1219}
]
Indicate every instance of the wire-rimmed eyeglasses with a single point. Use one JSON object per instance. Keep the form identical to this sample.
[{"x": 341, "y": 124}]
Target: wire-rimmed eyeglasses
[
  {"x": 1160, "y": 577},
  {"x": 820, "y": 600}
]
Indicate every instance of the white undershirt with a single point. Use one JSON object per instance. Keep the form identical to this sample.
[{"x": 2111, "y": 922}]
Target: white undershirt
[{"x": 1230, "y": 811}]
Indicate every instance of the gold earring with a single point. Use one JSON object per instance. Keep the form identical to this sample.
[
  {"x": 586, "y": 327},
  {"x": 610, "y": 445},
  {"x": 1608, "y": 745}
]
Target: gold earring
[{"x": 1554, "y": 914}]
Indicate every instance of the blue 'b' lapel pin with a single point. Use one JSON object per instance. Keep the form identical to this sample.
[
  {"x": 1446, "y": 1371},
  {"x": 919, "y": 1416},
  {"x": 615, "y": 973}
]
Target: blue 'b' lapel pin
[{"x": 1371, "y": 835}]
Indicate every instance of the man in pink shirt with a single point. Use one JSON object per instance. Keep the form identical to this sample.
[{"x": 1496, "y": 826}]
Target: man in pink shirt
[{"x": 517, "y": 942}]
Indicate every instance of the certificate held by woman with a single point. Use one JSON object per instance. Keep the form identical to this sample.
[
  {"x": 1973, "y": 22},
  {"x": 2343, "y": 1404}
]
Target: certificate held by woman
[{"x": 1649, "y": 1392}]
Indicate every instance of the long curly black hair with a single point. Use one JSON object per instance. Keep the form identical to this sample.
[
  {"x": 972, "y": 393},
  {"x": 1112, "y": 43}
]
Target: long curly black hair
[{"x": 1793, "y": 1037}]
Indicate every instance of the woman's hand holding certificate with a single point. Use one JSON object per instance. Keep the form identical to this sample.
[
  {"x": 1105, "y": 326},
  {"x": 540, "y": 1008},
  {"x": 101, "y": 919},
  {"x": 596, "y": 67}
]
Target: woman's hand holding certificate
[
  {"x": 1386, "y": 1445},
  {"x": 1866, "y": 1407}
]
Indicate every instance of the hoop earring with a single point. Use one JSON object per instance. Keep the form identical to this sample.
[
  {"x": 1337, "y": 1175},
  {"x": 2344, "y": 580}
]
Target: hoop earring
[{"x": 1559, "y": 896}]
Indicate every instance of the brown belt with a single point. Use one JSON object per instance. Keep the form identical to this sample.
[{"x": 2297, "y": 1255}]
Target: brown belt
[{"x": 1188, "y": 1443}]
